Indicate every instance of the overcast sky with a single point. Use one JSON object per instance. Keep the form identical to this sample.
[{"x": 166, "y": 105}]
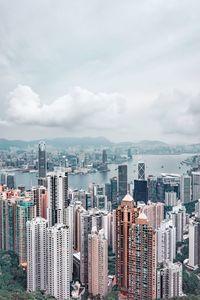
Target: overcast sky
[{"x": 123, "y": 69}]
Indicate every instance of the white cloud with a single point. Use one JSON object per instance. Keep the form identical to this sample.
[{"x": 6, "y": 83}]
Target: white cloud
[
  {"x": 79, "y": 107},
  {"x": 178, "y": 113}
]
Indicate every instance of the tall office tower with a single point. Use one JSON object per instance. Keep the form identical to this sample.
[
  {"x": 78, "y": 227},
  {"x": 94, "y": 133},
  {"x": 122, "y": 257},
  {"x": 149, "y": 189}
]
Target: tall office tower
[
  {"x": 152, "y": 188},
  {"x": 178, "y": 217},
  {"x": 195, "y": 186},
  {"x": 170, "y": 198},
  {"x": 169, "y": 280},
  {"x": 40, "y": 200},
  {"x": 166, "y": 241},
  {"x": 194, "y": 244},
  {"x": 25, "y": 211},
  {"x": 98, "y": 263},
  {"x": 101, "y": 202},
  {"x": 58, "y": 261},
  {"x": 142, "y": 260},
  {"x": 104, "y": 157},
  {"x": 197, "y": 209},
  {"x": 57, "y": 196},
  {"x": 10, "y": 181},
  {"x": 126, "y": 213},
  {"x": 154, "y": 213},
  {"x": 140, "y": 191},
  {"x": 96, "y": 190},
  {"x": 36, "y": 254},
  {"x": 42, "y": 164},
  {"x": 141, "y": 170},
  {"x": 122, "y": 182},
  {"x": 129, "y": 153},
  {"x": 185, "y": 189},
  {"x": 113, "y": 183},
  {"x": 108, "y": 191}
]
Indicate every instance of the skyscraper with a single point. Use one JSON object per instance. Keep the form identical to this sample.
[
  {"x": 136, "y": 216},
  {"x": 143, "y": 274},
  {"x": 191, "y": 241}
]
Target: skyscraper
[
  {"x": 140, "y": 191},
  {"x": 194, "y": 243},
  {"x": 166, "y": 241},
  {"x": 141, "y": 170},
  {"x": 142, "y": 260},
  {"x": 58, "y": 261},
  {"x": 126, "y": 213},
  {"x": 40, "y": 201},
  {"x": 57, "y": 197},
  {"x": 25, "y": 211},
  {"x": 169, "y": 280},
  {"x": 36, "y": 254},
  {"x": 179, "y": 220},
  {"x": 104, "y": 156},
  {"x": 97, "y": 263},
  {"x": 42, "y": 164},
  {"x": 195, "y": 186},
  {"x": 154, "y": 213},
  {"x": 185, "y": 189},
  {"x": 113, "y": 183},
  {"x": 122, "y": 182}
]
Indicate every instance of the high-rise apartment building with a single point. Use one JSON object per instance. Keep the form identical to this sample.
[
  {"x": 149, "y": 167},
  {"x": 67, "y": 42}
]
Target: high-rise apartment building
[
  {"x": 25, "y": 211},
  {"x": 195, "y": 186},
  {"x": 169, "y": 280},
  {"x": 58, "y": 261},
  {"x": 142, "y": 260},
  {"x": 40, "y": 200},
  {"x": 178, "y": 217},
  {"x": 194, "y": 243},
  {"x": 154, "y": 213},
  {"x": 42, "y": 164},
  {"x": 185, "y": 189},
  {"x": 126, "y": 213},
  {"x": 97, "y": 263},
  {"x": 166, "y": 241},
  {"x": 57, "y": 189},
  {"x": 36, "y": 254},
  {"x": 141, "y": 170},
  {"x": 122, "y": 182},
  {"x": 170, "y": 198}
]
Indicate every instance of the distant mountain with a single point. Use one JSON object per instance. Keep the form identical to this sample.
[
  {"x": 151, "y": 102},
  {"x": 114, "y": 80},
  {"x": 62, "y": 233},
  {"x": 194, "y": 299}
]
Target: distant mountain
[{"x": 59, "y": 143}]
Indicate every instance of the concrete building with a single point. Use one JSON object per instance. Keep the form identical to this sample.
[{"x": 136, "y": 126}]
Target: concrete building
[
  {"x": 185, "y": 189},
  {"x": 170, "y": 198},
  {"x": 42, "y": 164},
  {"x": 178, "y": 217},
  {"x": 166, "y": 241},
  {"x": 122, "y": 182},
  {"x": 40, "y": 200},
  {"x": 142, "y": 260},
  {"x": 169, "y": 280},
  {"x": 98, "y": 263},
  {"x": 126, "y": 213},
  {"x": 195, "y": 186},
  {"x": 194, "y": 244},
  {"x": 57, "y": 189},
  {"x": 58, "y": 261},
  {"x": 36, "y": 254},
  {"x": 154, "y": 213}
]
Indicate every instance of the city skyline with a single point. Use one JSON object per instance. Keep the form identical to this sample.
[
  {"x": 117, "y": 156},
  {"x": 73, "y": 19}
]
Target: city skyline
[{"x": 136, "y": 61}]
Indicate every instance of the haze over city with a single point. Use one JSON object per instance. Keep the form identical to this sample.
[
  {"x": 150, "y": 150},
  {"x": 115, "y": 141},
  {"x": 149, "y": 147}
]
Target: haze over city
[{"x": 126, "y": 70}]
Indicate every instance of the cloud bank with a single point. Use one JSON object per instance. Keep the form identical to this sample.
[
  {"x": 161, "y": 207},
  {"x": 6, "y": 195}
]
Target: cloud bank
[{"x": 79, "y": 107}]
